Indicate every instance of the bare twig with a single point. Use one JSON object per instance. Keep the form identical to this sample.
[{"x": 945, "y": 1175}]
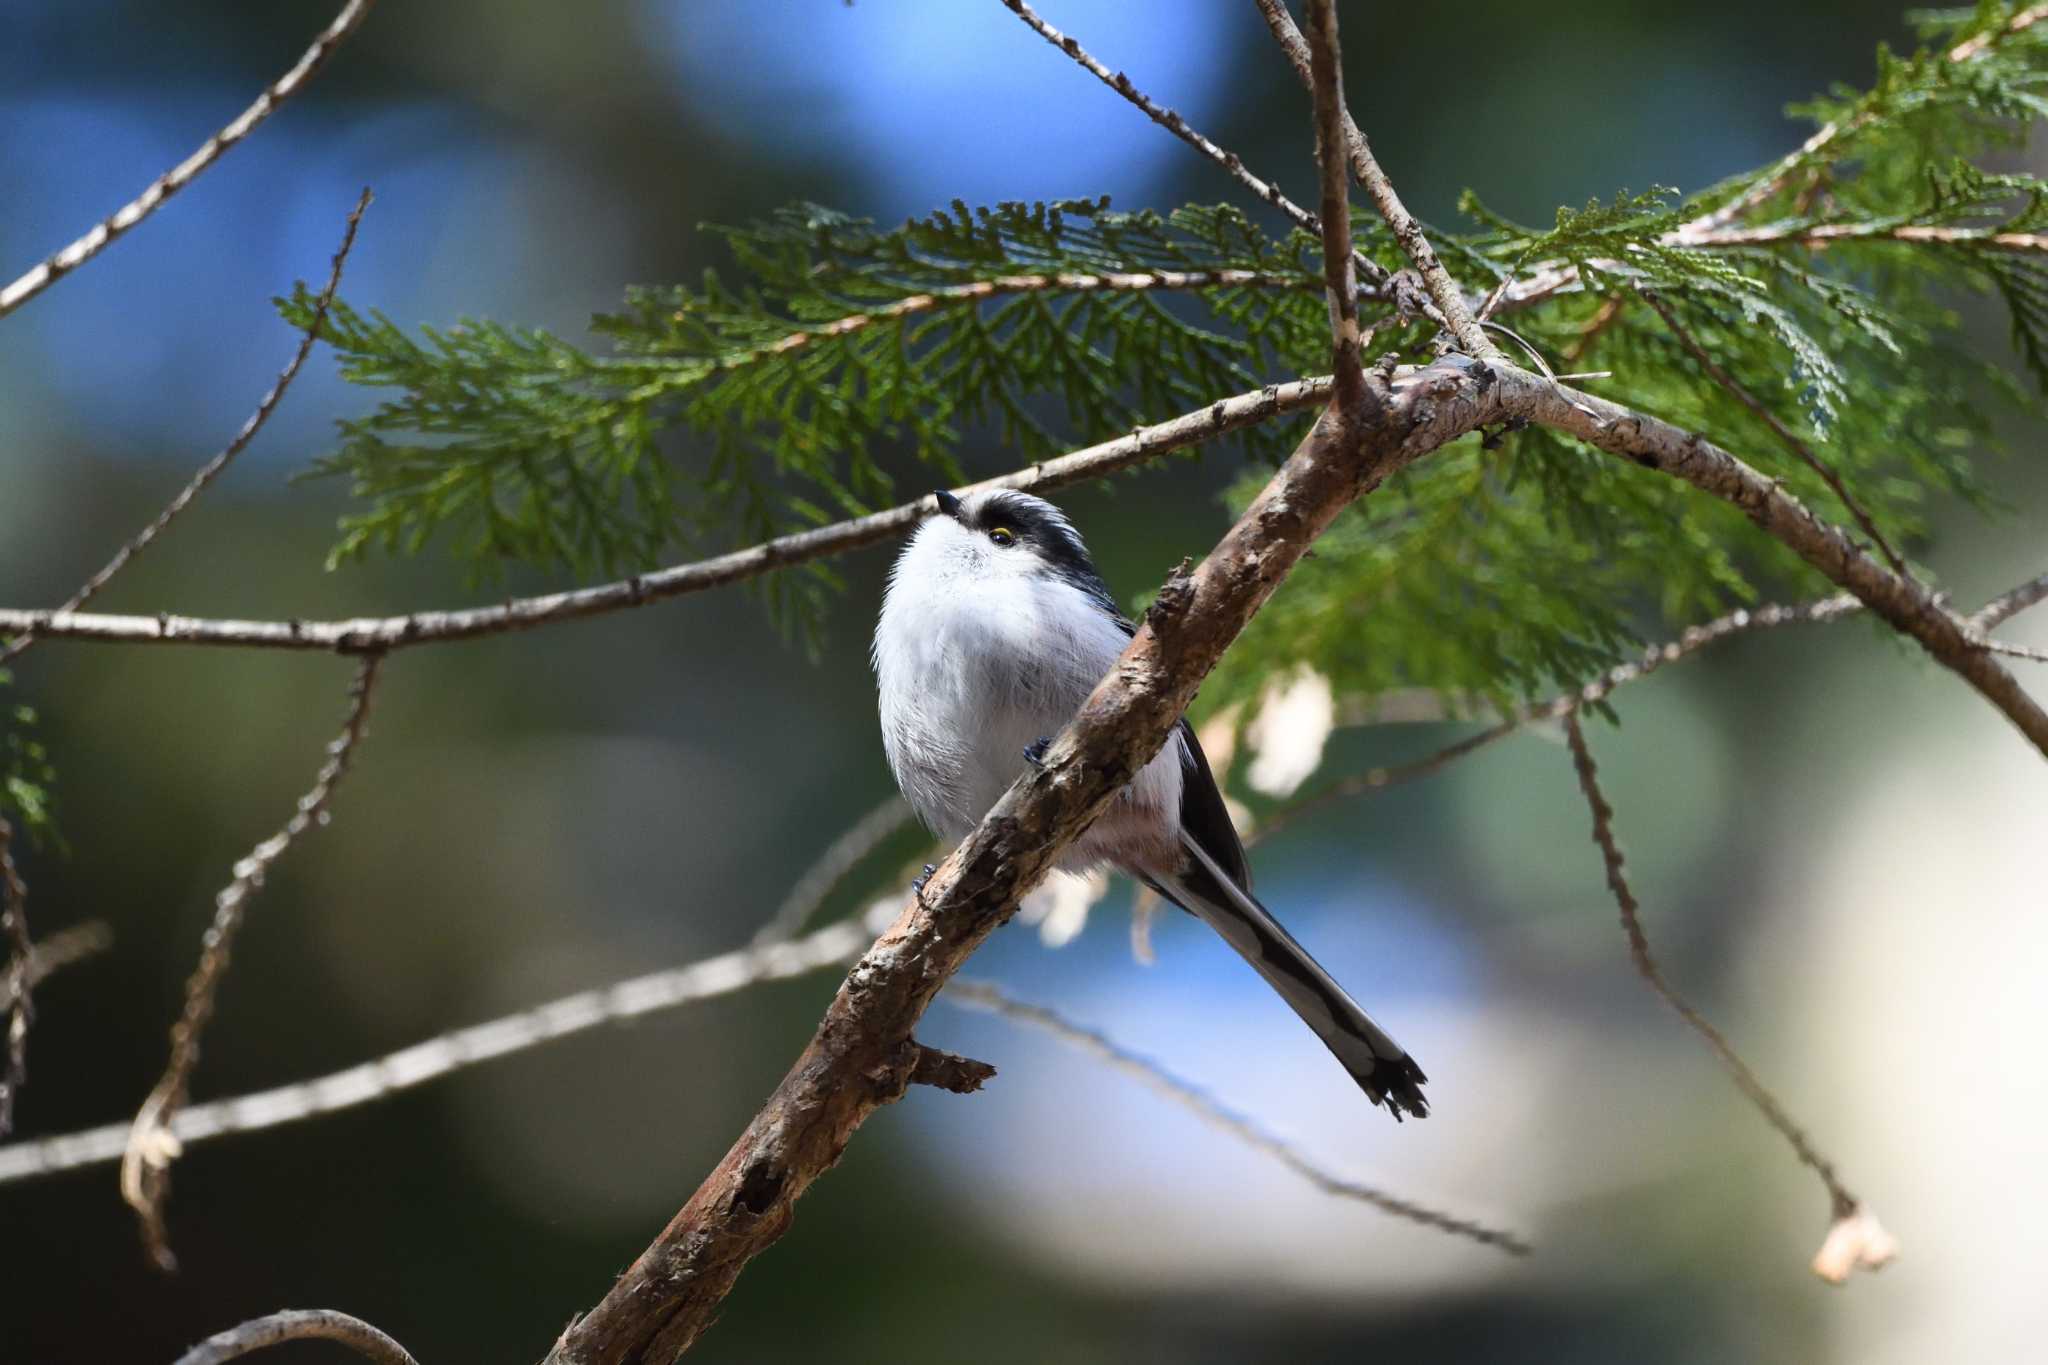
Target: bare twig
[
  {"x": 2003, "y": 608},
  {"x": 1431, "y": 709},
  {"x": 145, "y": 1166},
  {"x": 1334, "y": 209},
  {"x": 20, "y": 976},
  {"x": 860, "y": 839},
  {"x": 376, "y": 634},
  {"x": 211, "y": 470},
  {"x": 986, "y": 995},
  {"x": 2013, "y": 651},
  {"x": 725, "y": 974},
  {"x": 1778, "y": 428},
  {"x": 1180, "y": 128},
  {"x": 1842, "y": 1203},
  {"x": 298, "y": 1324},
  {"x": 63, "y": 262},
  {"x": 1443, "y": 290}
]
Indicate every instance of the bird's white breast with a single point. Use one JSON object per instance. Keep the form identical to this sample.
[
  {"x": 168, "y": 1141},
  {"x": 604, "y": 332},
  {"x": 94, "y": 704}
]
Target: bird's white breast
[{"x": 975, "y": 664}]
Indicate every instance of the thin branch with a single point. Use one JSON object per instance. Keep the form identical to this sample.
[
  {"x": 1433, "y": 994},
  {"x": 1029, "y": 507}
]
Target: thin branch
[
  {"x": 985, "y": 995},
  {"x": 1339, "y": 284},
  {"x": 63, "y": 262},
  {"x": 1180, "y": 128},
  {"x": 1444, "y": 290},
  {"x": 374, "y": 1080},
  {"x": 1902, "y": 602},
  {"x": 376, "y": 634},
  {"x": 1778, "y": 428},
  {"x": 2013, "y": 651},
  {"x": 1824, "y": 234},
  {"x": 1844, "y": 1205},
  {"x": 855, "y": 843},
  {"x": 20, "y": 978},
  {"x": 145, "y": 1166},
  {"x": 2003, "y": 608},
  {"x": 1432, "y": 709},
  {"x": 298, "y": 1324},
  {"x": 211, "y": 470}
]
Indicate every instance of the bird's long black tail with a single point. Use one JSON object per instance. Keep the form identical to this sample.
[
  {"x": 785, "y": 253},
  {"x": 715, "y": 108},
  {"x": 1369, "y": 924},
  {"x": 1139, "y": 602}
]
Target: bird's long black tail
[{"x": 1382, "y": 1068}]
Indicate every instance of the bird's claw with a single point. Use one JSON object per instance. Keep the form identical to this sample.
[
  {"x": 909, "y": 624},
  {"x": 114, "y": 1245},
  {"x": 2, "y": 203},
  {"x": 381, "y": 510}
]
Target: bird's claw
[
  {"x": 917, "y": 886},
  {"x": 1034, "y": 753}
]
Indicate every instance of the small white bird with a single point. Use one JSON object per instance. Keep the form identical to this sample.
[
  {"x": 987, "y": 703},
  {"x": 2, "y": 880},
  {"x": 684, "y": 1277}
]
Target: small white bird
[{"x": 995, "y": 628}]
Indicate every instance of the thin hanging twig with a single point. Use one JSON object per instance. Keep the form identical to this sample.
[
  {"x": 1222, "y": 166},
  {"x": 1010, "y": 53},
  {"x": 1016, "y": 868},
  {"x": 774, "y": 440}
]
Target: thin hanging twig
[
  {"x": 1847, "y": 1209},
  {"x": 152, "y": 1147},
  {"x": 986, "y": 995}
]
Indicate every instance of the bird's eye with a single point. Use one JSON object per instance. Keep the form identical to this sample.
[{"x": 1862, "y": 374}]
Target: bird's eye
[{"x": 1003, "y": 535}]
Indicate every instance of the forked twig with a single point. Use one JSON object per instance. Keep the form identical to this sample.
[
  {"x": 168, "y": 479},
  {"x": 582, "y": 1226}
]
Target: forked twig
[{"x": 151, "y": 1146}]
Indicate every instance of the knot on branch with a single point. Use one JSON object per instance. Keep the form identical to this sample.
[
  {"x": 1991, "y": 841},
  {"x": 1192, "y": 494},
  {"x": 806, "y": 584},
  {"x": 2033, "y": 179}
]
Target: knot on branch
[{"x": 1175, "y": 596}]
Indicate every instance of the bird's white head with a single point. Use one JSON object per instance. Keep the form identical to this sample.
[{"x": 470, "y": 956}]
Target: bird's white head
[{"x": 996, "y": 535}]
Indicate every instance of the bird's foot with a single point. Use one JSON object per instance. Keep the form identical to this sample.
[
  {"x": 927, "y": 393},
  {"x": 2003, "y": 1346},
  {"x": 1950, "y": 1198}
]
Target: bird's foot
[
  {"x": 917, "y": 886},
  {"x": 1034, "y": 753}
]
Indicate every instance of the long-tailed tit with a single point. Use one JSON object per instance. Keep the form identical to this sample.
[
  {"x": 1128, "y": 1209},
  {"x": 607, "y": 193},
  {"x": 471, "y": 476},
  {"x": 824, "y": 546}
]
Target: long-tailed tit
[{"x": 995, "y": 628}]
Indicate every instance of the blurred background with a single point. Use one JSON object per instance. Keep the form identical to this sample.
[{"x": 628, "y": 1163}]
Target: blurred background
[{"x": 1839, "y": 846}]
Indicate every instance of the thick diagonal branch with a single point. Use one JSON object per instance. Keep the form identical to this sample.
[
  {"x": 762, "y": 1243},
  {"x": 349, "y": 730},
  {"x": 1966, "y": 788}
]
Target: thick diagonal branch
[{"x": 862, "y": 1055}]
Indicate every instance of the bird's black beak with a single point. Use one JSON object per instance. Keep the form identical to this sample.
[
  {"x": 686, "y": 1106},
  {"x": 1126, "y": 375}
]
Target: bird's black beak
[{"x": 948, "y": 504}]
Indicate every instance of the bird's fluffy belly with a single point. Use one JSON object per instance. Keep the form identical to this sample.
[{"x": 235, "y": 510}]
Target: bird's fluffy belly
[{"x": 991, "y": 669}]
